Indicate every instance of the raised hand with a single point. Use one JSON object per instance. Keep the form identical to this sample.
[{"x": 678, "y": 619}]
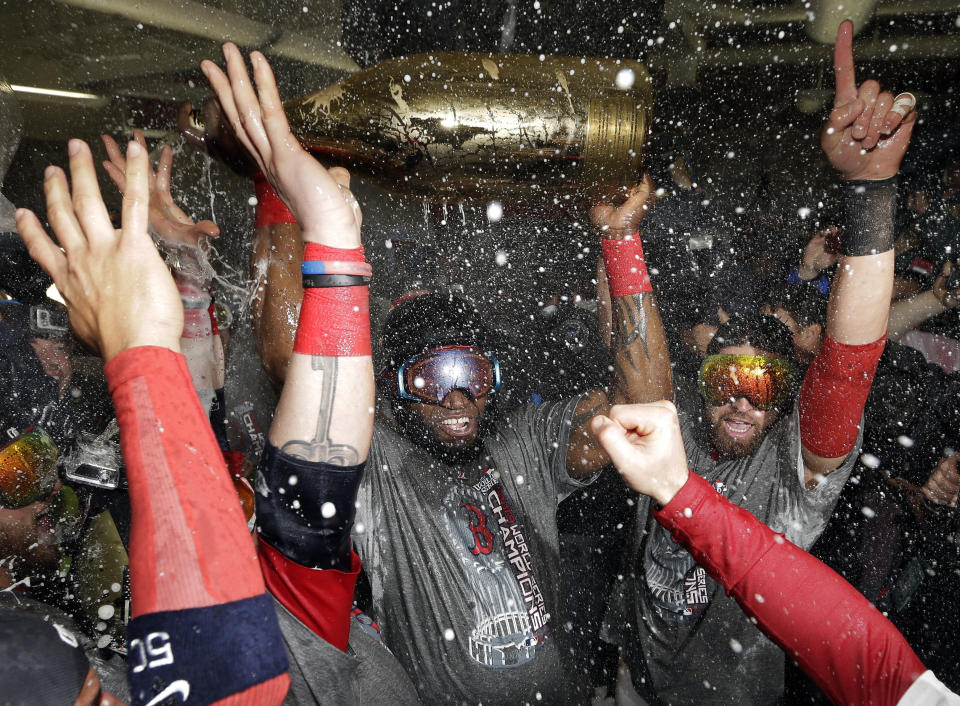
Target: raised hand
[
  {"x": 644, "y": 443},
  {"x": 119, "y": 292},
  {"x": 868, "y": 131},
  {"x": 616, "y": 222},
  {"x": 816, "y": 257},
  {"x": 208, "y": 131},
  {"x": 319, "y": 198},
  {"x": 949, "y": 298},
  {"x": 943, "y": 486},
  {"x": 167, "y": 219}
]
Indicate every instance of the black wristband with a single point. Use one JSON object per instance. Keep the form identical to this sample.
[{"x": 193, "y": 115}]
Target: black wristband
[
  {"x": 316, "y": 281},
  {"x": 871, "y": 207}
]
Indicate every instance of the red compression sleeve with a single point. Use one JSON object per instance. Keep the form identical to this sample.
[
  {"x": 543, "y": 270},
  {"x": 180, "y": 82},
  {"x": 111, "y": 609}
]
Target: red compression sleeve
[
  {"x": 321, "y": 599},
  {"x": 834, "y": 393},
  {"x": 625, "y": 266},
  {"x": 853, "y": 653},
  {"x": 212, "y": 312},
  {"x": 271, "y": 209},
  {"x": 334, "y": 321},
  {"x": 189, "y": 542}
]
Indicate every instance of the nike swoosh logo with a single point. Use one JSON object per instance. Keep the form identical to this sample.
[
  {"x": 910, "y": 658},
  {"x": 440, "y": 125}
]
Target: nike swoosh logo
[{"x": 180, "y": 686}]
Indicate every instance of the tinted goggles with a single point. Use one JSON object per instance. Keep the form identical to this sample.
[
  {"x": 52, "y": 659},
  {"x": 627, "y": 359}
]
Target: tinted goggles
[
  {"x": 765, "y": 382},
  {"x": 28, "y": 469},
  {"x": 431, "y": 376}
]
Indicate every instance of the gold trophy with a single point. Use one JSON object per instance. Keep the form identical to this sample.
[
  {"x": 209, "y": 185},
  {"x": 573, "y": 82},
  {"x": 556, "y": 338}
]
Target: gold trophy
[{"x": 455, "y": 126}]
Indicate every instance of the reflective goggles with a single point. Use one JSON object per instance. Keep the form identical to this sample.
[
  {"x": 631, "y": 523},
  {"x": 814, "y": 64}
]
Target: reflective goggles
[
  {"x": 28, "y": 469},
  {"x": 431, "y": 376},
  {"x": 765, "y": 382}
]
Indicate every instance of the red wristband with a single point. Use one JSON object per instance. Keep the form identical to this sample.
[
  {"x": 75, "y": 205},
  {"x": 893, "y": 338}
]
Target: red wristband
[
  {"x": 334, "y": 321},
  {"x": 271, "y": 210},
  {"x": 316, "y": 251},
  {"x": 625, "y": 266}
]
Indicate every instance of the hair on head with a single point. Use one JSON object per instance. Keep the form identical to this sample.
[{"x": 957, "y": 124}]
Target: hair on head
[
  {"x": 762, "y": 332},
  {"x": 430, "y": 321}
]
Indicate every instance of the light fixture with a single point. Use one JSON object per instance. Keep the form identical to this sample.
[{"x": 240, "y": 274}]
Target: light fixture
[
  {"x": 54, "y": 293},
  {"x": 56, "y": 93}
]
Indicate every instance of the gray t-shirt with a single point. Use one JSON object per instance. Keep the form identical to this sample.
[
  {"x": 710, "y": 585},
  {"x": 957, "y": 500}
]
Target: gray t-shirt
[
  {"x": 320, "y": 674},
  {"x": 675, "y": 624},
  {"x": 463, "y": 560}
]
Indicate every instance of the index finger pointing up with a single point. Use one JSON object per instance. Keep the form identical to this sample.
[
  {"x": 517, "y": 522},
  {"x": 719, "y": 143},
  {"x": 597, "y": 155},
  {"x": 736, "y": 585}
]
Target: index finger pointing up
[{"x": 843, "y": 68}]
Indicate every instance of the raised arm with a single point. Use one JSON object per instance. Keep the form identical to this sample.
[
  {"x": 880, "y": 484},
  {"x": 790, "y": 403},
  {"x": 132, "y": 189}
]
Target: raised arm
[
  {"x": 907, "y": 314},
  {"x": 183, "y": 243},
  {"x": 198, "y": 596},
  {"x": 325, "y": 415},
  {"x": 864, "y": 139},
  {"x": 641, "y": 363},
  {"x": 277, "y": 243},
  {"x": 836, "y": 636},
  {"x": 323, "y": 425}
]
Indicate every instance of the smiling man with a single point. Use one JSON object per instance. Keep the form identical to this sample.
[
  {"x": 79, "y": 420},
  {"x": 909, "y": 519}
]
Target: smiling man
[
  {"x": 785, "y": 461},
  {"x": 746, "y": 382},
  {"x": 457, "y": 526}
]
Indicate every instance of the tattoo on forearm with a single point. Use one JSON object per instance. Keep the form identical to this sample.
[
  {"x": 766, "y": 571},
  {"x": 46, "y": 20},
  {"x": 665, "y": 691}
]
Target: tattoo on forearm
[
  {"x": 630, "y": 326},
  {"x": 583, "y": 417},
  {"x": 630, "y": 322},
  {"x": 321, "y": 448}
]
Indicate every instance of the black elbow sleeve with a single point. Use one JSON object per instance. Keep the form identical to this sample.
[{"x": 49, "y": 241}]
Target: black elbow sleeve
[{"x": 306, "y": 509}]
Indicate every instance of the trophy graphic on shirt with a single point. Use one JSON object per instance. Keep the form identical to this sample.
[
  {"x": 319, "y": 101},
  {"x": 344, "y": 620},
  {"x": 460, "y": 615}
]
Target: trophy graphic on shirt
[{"x": 510, "y": 619}]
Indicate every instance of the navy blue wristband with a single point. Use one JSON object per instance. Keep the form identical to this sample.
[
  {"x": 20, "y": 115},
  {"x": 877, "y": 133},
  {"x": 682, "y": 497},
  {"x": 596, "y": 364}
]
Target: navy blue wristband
[{"x": 203, "y": 655}]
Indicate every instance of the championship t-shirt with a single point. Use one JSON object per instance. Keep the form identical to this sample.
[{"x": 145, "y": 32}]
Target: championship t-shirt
[
  {"x": 463, "y": 560},
  {"x": 683, "y": 637}
]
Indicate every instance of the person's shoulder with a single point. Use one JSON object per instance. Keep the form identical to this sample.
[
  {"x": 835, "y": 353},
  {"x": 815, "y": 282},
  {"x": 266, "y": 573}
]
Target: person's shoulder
[
  {"x": 386, "y": 435},
  {"x": 533, "y": 417},
  {"x": 690, "y": 423},
  {"x": 301, "y": 640}
]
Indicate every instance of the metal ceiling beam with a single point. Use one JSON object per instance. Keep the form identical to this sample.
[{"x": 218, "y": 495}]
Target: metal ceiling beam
[
  {"x": 814, "y": 12},
  {"x": 681, "y": 66},
  {"x": 196, "y": 19},
  {"x": 826, "y": 15}
]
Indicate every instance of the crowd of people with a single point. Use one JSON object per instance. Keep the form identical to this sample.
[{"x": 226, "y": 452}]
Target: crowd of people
[{"x": 782, "y": 509}]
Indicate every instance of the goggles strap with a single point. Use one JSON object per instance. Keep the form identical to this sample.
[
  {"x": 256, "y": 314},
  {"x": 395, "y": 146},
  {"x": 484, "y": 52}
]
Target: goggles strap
[
  {"x": 334, "y": 321},
  {"x": 271, "y": 210},
  {"x": 625, "y": 266}
]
